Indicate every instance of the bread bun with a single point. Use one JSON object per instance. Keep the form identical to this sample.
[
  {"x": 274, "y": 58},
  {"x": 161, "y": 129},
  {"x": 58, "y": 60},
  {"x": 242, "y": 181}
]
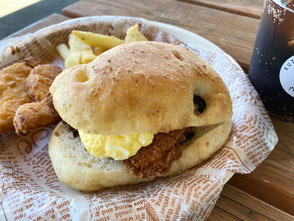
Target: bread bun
[
  {"x": 140, "y": 87},
  {"x": 77, "y": 168}
]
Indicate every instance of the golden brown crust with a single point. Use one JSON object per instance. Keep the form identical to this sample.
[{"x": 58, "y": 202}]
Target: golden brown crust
[
  {"x": 140, "y": 87},
  {"x": 32, "y": 115},
  {"x": 40, "y": 80},
  {"x": 159, "y": 155},
  {"x": 13, "y": 93}
]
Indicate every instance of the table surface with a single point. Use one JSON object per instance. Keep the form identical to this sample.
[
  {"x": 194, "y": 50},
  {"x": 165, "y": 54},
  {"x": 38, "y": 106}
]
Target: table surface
[{"x": 268, "y": 192}]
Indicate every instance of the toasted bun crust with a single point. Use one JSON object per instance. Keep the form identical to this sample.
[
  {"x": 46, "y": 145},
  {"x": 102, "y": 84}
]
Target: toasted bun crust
[
  {"x": 140, "y": 87},
  {"x": 77, "y": 168}
]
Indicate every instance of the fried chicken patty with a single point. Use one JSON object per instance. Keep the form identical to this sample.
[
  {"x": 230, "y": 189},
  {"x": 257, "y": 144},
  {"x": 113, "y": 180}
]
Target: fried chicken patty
[{"x": 159, "y": 155}]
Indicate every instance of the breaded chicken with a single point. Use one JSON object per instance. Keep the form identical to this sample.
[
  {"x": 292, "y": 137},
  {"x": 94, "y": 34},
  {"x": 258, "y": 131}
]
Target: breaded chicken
[
  {"x": 13, "y": 91},
  {"x": 32, "y": 115},
  {"x": 159, "y": 155},
  {"x": 40, "y": 79},
  {"x": 42, "y": 112}
]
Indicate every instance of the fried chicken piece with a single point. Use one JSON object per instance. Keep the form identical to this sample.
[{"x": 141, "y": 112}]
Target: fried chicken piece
[
  {"x": 159, "y": 155},
  {"x": 13, "y": 93},
  {"x": 32, "y": 115},
  {"x": 42, "y": 112},
  {"x": 40, "y": 79}
]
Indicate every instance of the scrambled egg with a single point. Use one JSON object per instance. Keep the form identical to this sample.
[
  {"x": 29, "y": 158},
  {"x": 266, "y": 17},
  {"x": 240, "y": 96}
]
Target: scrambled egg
[{"x": 117, "y": 147}]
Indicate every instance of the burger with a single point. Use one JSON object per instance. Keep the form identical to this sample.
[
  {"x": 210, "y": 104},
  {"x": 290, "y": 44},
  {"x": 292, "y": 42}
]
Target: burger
[{"x": 138, "y": 111}]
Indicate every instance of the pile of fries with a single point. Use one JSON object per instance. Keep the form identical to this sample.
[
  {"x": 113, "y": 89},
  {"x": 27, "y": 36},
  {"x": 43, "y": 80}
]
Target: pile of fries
[{"x": 85, "y": 46}]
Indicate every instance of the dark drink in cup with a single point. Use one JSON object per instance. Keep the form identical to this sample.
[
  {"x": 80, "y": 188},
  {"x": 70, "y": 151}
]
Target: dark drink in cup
[{"x": 272, "y": 66}]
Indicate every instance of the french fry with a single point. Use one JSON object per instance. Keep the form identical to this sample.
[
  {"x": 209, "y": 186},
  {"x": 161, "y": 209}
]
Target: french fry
[
  {"x": 79, "y": 53},
  {"x": 98, "y": 51},
  {"x": 133, "y": 34},
  {"x": 290, "y": 43},
  {"x": 63, "y": 51},
  {"x": 80, "y": 42},
  {"x": 97, "y": 40}
]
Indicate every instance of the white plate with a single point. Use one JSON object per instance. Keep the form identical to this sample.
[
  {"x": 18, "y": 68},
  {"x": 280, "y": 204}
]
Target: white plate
[
  {"x": 186, "y": 36},
  {"x": 190, "y": 38}
]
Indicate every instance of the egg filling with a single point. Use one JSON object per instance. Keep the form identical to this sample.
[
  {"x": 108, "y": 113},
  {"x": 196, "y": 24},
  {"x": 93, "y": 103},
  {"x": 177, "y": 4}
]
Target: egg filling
[{"x": 118, "y": 147}]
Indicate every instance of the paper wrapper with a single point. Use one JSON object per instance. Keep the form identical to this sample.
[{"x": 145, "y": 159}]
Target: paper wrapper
[{"x": 29, "y": 188}]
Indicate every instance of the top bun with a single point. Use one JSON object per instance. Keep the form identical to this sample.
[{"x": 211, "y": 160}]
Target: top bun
[{"x": 140, "y": 87}]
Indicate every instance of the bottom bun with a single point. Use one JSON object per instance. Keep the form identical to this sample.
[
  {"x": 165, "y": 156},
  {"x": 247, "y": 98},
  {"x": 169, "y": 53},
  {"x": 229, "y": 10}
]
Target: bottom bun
[{"x": 76, "y": 167}]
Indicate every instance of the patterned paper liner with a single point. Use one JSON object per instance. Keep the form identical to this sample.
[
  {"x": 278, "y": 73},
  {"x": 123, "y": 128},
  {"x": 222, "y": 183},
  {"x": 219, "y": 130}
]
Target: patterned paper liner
[{"x": 30, "y": 188}]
